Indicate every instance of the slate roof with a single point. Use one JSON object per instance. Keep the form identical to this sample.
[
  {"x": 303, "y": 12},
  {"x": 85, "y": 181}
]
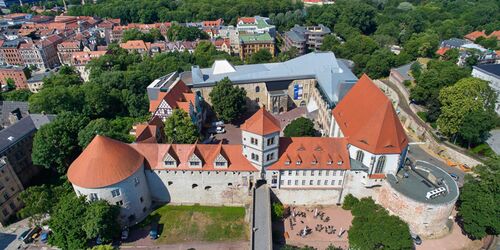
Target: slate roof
[
  {"x": 9, "y": 106},
  {"x": 491, "y": 69},
  {"x": 332, "y": 74},
  {"x": 18, "y": 131},
  {"x": 404, "y": 71}
]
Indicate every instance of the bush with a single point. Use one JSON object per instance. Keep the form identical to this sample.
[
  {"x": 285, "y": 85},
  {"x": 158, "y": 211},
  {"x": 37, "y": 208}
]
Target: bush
[
  {"x": 300, "y": 127},
  {"x": 483, "y": 149},
  {"x": 278, "y": 210},
  {"x": 407, "y": 83},
  {"x": 422, "y": 115},
  {"x": 349, "y": 202}
]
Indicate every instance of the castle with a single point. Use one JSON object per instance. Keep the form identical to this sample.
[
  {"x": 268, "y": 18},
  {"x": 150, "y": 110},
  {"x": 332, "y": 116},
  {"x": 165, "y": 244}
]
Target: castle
[{"x": 364, "y": 155}]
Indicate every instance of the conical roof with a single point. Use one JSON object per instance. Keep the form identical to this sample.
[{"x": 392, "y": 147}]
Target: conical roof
[
  {"x": 103, "y": 163},
  {"x": 261, "y": 123}
]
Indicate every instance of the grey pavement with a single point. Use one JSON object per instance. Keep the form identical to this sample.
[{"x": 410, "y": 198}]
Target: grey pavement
[
  {"x": 9, "y": 235},
  {"x": 262, "y": 239},
  {"x": 494, "y": 141}
]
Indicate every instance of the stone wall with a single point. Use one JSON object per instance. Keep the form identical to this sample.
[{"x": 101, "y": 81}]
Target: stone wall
[
  {"x": 226, "y": 188},
  {"x": 424, "y": 219},
  {"x": 308, "y": 197}
]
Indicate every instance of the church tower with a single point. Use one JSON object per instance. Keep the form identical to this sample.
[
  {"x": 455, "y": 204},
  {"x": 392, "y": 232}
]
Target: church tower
[{"x": 260, "y": 138}]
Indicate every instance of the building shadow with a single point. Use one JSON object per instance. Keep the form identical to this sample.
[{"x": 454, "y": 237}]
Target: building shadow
[
  {"x": 6, "y": 239},
  {"x": 278, "y": 224}
]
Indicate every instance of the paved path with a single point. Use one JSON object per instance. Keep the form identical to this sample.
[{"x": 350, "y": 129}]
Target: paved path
[
  {"x": 196, "y": 245},
  {"x": 494, "y": 141},
  {"x": 262, "y": 219}
]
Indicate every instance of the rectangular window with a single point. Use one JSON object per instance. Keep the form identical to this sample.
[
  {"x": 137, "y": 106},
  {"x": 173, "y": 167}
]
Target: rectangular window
[
  {"x": 327, "y": 172},
  {"x": 5, "y": 212},
  {"x": 340, "y": 182},
  {"x": 326, "y": 182},
  {"x": 6, "y": 196},
  {"x": 289, "y": 182},
  {"x": 255, "y": 157},
  {"x": 296, "y": 172},
  {"x": 303, "y": 182},
  {"x": 220, "y": 164},
  {"x": 169, "y": 163},
  {"x": 304, "y": 173},
  {"x": 270, "y": 157},
  {"x": 194, "y": 163},
  {"x": 270, "y": 141},
  {"x": 333, "y": 182},
  {"x": 312, "y": 172},
  {"x": 12, "y": 206},
  {"x": 289, "y": 172},
  {"x": 296, "y": 182},
  {"x": 334, "y": 173},
  {"x": 115, "y": 192},
  {"x": 254, "y": 141},
  {"x": 318, "y": 182},
  {"x": 93, "y": 196},
  {"x": 311, "y": 182},
  {"x": 141, "y": 199},
  {"x": 319, "y": 172},
  {"x": 282, "y": 182},
  {"x": 119, "y": 203},
  {"x": 341, "y": 173}
]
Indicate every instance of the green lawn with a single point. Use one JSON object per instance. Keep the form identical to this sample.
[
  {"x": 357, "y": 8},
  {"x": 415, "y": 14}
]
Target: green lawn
[{"x": 201, "y": 223}]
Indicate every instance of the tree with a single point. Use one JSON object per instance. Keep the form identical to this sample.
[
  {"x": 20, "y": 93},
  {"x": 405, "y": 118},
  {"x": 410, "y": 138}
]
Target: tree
[
  {"x": 55, "y": 145},
  {"x": 349, "y": 202},
  {"x": 180, "y": 129},
  {"x": 373, "y": 228},
  {"x": 380, "y": 63},
  {"x": 117, "y": 129},
  {"x": 300, "y": 127},
  {"x": 11, "y": 84},
  {"x": 422, "y": 45},
  {"x": 287, "y": 55},
  {"x": 40, "y": 201},
  {"x": 476, "y": 126},
  {"x": 489, "y": 43},
  {"x": 261, "y": 56},
  {"x": 56, "y": 100},
  {"x": 359, "y": 15},
  {"x": 183, "y": 33},
  {"x": 135, "y": 34},
  {"x": 228, "y": 101},
  {"x": 451, "y": 55},
  {"x": 66, "y": 223},
  {"x": 20, "y": 95},
  {"x": 457, "y": 101},
  {"x": 278, "y": 211},
  {"x": 101, "y": 219},
  {"x": 479, "y": 201}
]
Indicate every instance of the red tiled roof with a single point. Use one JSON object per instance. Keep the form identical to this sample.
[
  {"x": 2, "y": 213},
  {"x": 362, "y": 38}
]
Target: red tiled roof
[
  {"x": 367, "y": 118},
  {"x": 178, "y": 96},
  {"x": 246, "y": 20},
  {"x": 474, "y": 35},
  {"x": 135, "y": 44},
  {"x": 145, "y": 133},
  {"x": 495, "y": 34},
  {"x": 155, "y": 153},
  {"x": 261, "y": 123},
  {"x": 442, "y": 51},
  {"x": 217, "y": 22},
  {"x": 313, "y": 153},
  {"x": 103, "y": 163}
]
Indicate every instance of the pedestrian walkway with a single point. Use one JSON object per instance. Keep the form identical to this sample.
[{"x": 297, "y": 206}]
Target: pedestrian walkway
[{"x": 261, "y": 220}]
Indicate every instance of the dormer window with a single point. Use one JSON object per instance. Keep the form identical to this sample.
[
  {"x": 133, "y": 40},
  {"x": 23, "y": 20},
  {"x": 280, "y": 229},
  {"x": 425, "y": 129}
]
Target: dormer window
[
  {"x": 299, "y": 162},
  {"x": 314, "y": 162},
  {"x": 287, "y": 162},
  {"x": 340, "y": 162},
  {"x": 329, "y": 162},
  {"x": 194, "y": 163},
  {"x": 169, "y": 163},
  {"x": 220, "y": 164}
]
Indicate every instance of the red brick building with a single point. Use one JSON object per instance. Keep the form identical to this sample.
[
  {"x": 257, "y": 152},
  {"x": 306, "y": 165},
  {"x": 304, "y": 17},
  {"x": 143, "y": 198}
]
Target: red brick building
[{"x": 16, "y": 74}]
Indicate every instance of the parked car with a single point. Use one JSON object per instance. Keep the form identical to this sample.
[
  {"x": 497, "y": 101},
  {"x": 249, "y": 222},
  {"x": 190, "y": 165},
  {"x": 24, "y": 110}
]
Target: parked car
[
  {"x": 416, "y": 239},
  {"x": 220, "y": 130},
  {"x": 44, "y": 237},
  {"x": 23, "y": 234},
  {"x": 454, "y": 176},
  {"x": 125, "y": 232},
  {"x": 31, "y": 235},
  {"x": 153, "y": 233},
  {"x": 217, "y": 123}
]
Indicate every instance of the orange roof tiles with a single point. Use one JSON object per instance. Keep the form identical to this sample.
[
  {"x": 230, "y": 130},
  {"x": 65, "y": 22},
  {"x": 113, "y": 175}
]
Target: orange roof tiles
[
  {"x": 367, "y": 118},
  {"x": 442, "y": 51},
  {"x": 312, "y": 153},
  {"x": 103, "y": 163},
  {"x": 135, "y": 44},
  {"x": 246, "y": 20},
  {"x": 261, "y": 123},
  {"x": 145, "y": 133},
  {"x": 217, "y": 22},
  {"x": 474, "y": 35},
  {"x": 155, "y": 153},
  {"x": 178, "y": 96}
]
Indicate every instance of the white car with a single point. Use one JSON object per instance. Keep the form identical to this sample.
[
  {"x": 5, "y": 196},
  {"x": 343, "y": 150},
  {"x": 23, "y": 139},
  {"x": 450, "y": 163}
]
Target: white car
[
  {"x": 218, "y": 123},
  {"x": 220, "y": 130}
]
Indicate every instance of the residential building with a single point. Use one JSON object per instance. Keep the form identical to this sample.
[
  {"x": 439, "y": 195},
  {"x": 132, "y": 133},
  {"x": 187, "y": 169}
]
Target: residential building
[
  {"x": 365, "y": 158},
  {"x": 35, "y": 83},
  {"x": 251, "y": 43},
  {"x": 279, "y": 87},
  {"x": 10, "y": 52},
  {"x": 305, "y": 38},
  {"x": 138, "y": 46},
  {"x": 15, "y": 73},
  {"x": 401, "y": 74},
  {"x": 10, "y": 188},
  {"x": 41, "y": 54},
  {"x": 66, "y": 49},
  {"x": 317, "y": 2},
  {"x": 476, "y": 34},
  {"x": 256, "y": 24},
  {"x": 453, "y": 43},
  {"x": 490, "y": 73},
  {"x": 170, "y": 92},
  {"x": 16, "y": 143},
  {"x": 82, "y": 58},
  {"x": 222, "y": 44}
]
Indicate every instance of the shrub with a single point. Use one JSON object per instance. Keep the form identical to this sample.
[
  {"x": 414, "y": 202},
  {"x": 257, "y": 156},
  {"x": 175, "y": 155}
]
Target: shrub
[
  {"x": 278, "y": 211},
  {"x": 349, "y": 202}
]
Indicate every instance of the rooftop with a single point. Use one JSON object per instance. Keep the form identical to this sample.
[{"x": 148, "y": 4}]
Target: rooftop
[
  {"x": 249, "y": 38},
  {"x": 423, "y": 178},
  {"x": 260, "y": 22},
  {"x": 491, "y": 69},
  {"x": 19, "y": 130},
  {"x": 404, "y": 71},
  {"x": 332, "y": 75}
]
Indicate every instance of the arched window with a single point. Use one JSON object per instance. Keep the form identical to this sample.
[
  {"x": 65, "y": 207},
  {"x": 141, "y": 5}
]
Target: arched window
[
  {"x": 257, "y": 89},
  {"x": 208, "y": 187},
  {"x": 380, "y": 164},
  {"x": 360, "y": 155},
  {"x": 194, "y": 186}
]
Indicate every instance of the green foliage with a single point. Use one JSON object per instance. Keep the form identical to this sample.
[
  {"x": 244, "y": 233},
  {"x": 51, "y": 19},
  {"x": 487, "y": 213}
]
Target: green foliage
[
  {"x": 373, "y": 228},
  {"x": 278, "y": 211},
  {"x": 74, "y": 221},
  {"x": 300, "y": 127},
  {"x": 228, "y": 101},
  {"x": 287, "y": 55},
  {"x": 479, "y": 201},
  {"x": 117, "y": 129},
  {"x": 11, "y": 84},
  {"x": 422, "y": 45},
  {"x": 483, "y": 149},
  {"x": 489, "y": 43},
  {"x": 451, "y": 55},
  {"x": 423, "y": 116},
  {"x": 55, "y": 145},
  {"x": 476, "y": 126},
  {"x": 103, "y": 247},
  {"x": 290, "y": 247},
  {"x": 180, "y": 129},
  {"x": 287, "y": 20},
  {"x": 183, "y": 33},
  {"x": 349, "y": 202},
  {"x": 20, "y": 95},
  {"x": 416, "y": 69},
  {"x": 465, "y": 104},
  {"x": 40, "y": 200},
  {"x": 135, "y": 34},
  {"x": 205, "y": 54},
  {"x": 261, "y": 56}
]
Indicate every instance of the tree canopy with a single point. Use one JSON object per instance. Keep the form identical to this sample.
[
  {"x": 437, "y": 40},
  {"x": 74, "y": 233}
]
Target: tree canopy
[
  {"x": 479, "y": 201},
  {"x": 373, "y": 227},
  {"x": 183, "y": 33},
  {"x": 300, "y": 127},
  {"x": 228, "y": 101},
  {"x": 261, "y": 56},
  {"x": 117, "y": 129},
  {"x": 135, "y": 34},
  {"x": 180, "y": 129}
]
